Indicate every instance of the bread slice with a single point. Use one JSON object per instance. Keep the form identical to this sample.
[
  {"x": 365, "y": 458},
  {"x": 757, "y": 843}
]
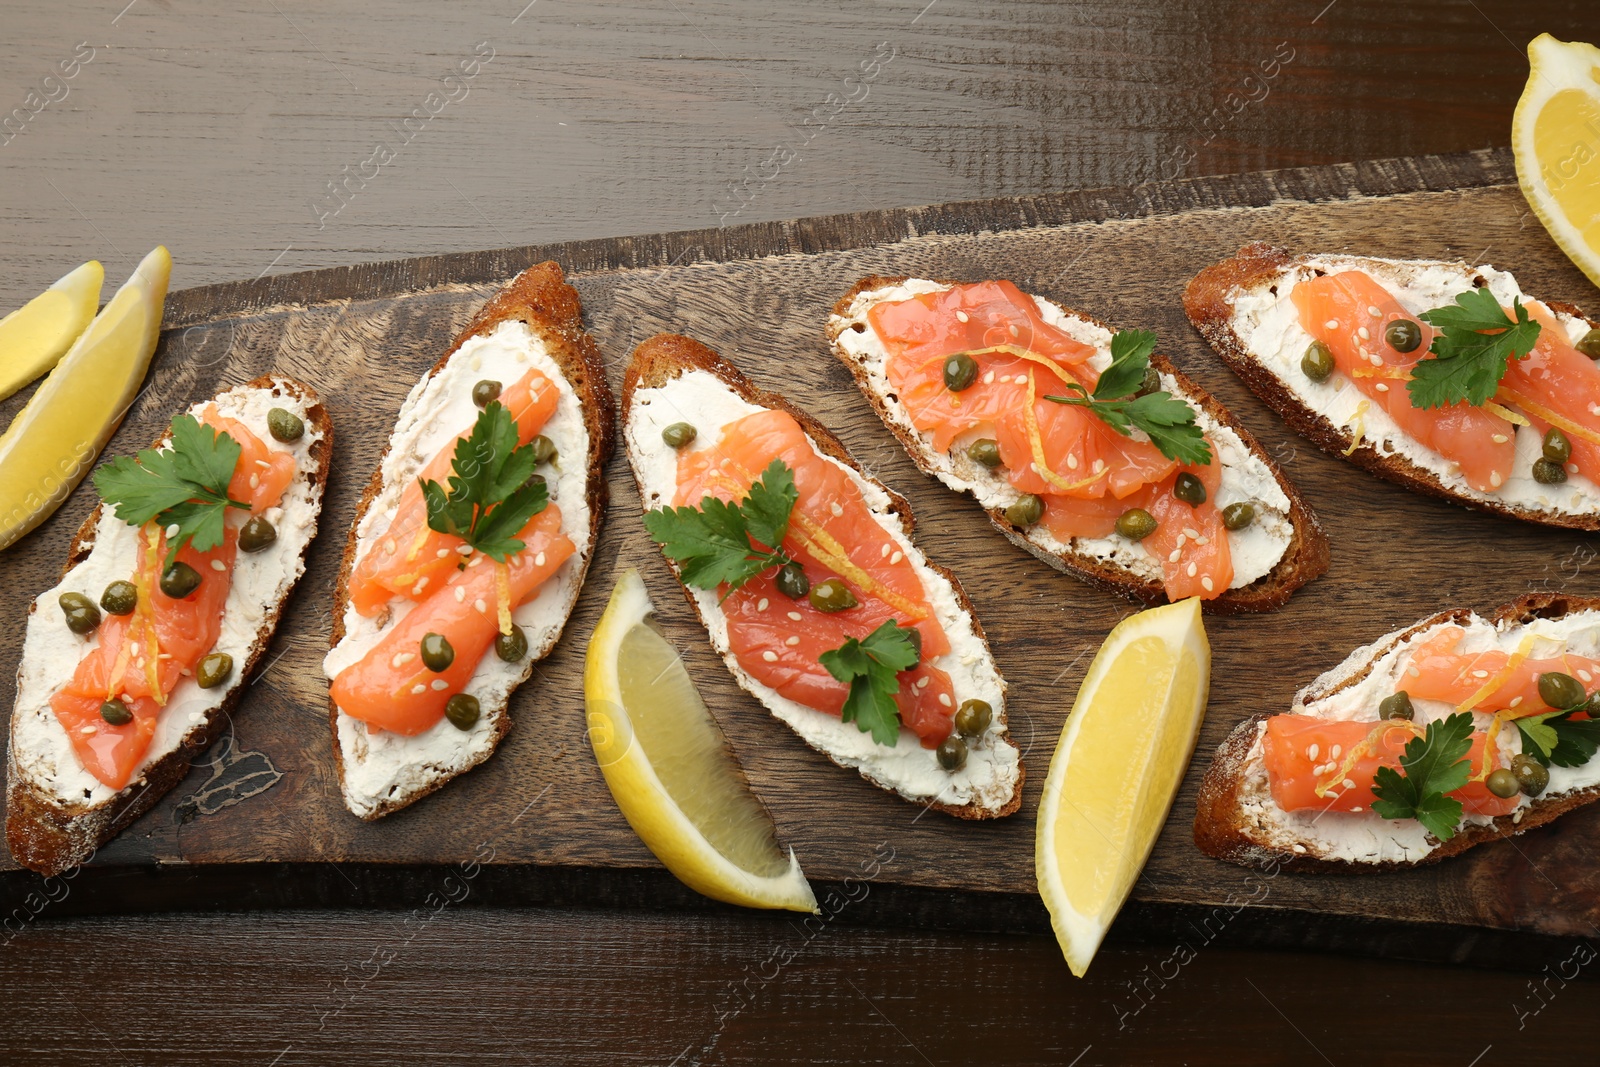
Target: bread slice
[
  {"x": 1237, "y": 820},
  {"x": 1242, "y": 307},
  {"x": 1284, "y": 549},
  {"x": 57, "y": 813},
  {"x": 671, "y": 377},
  {"x": 536, "y": 320}
]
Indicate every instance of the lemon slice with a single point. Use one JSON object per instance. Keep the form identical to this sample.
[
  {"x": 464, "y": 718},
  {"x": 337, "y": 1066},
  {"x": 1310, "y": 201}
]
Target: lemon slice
[
  {"x": 36, "y": 335},
  {"x": 669, "y": 768},
  {"x": 51, "y": 445},
  {"x": 1555, "y": 138},
  {"x": 1116, "y": 769}
]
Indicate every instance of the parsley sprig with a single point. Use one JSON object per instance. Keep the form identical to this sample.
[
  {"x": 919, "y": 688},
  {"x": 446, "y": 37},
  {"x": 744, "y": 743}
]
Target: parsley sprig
[
  {"x": 492, "y": 492},
  {"x": 722, "y": 541},
  {"x": 1556, "y": 738},
  {"x": 1431, "y": 767},
  {"x": 1168, "y": 421},
  {"x": 1475, "y": 346},
  {"x": 184, "y": 485},
  {"x": 871, "y": 667}
]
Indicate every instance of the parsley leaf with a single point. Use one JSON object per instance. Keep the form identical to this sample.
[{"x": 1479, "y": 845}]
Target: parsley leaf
[
  {"x": 1467, "y": 362},
  {"x": 1555, "y": 738},
  {"x": 1130, "y": 358},
  {"x": 491, "y": 495},
  {"x": 724, "y": 542},
  {"x": 1168, "y": 421},
  {"x": 871, "y": 667},
  {"x": 1431, "y": 767}
]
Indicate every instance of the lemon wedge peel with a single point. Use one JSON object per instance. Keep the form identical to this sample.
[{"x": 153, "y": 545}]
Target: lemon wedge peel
[
  {"x": 34, "y": 337},
  {"x": 1555, "y": 140}
]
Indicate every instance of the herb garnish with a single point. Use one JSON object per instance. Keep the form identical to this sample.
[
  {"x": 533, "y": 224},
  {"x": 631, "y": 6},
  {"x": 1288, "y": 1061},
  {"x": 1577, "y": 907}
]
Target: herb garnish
[
  {"x": 1431, "y": 767},
  {"x": 1168, "y": 421},
  {"x": 1468, "y": 363},
  {"x": 729, "y": 542},
  {"x": 1556, "y": 738},
  {"x": 871, "y": 667},
  {"x": 492, "y": 493},
  {"x": 185, "y": 485}
]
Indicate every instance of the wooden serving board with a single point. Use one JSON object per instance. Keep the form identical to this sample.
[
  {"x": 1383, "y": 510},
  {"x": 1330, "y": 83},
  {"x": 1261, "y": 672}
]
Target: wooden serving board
[{"x": 263, "y": 823}]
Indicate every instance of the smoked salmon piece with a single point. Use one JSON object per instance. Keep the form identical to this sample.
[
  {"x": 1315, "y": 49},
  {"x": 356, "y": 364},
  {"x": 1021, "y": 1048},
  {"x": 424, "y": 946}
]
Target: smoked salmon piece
[
  {"x": 1555, "y": 384},
  {"x": 1439, "y": 672}
]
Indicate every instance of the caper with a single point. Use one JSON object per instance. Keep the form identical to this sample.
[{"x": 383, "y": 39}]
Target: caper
[
  {"x": 513, "y": 646},
  {"x": 544, "y": 450},
  {"x": 1531, "y": 774},
  {"x": 1561, "y": 691},
  {"x": 1397, "y": 706},
  {"x": 952, "y": 753},
  {"x": 179, "y": 580},
  {"x": 1557, "y": 449},
  {"x": 285, "y": 425},
  {"x": 1317, "y": 363},
  {"x": 213, "y": 670},
  {"x": 1547, "y": 473},
  {"x": 791, "y": 581},
  {"x": 960, "y": 371},
  {"x": 831, "y": 594},
  {"x": 1150, "y": 384},
  {"x": 973, "y": 717},
  {"x": 461, "y": 710},
  {"x": 437, "y": 653},
  {"x": 116, "y": 712},
  {"x": 985, "y": 451},
  {"x": 257, "y": 533},
  {"x": 485, "y": 391},
  {"x": 1503, "y": 783},
  {"x": 1589, "y": 344},
  {"x": 1025, "y": 511},
  {"x": 679, "y": 434},
  {"x": 120, "y": 598},
  {"x": 1136, "y": 524},
  {"x": 82, "y": 616},
  {"x": 1238, "y": 516},
  {"x": 1189, "y": 489},
  {"x": 1403, "y": 335}
]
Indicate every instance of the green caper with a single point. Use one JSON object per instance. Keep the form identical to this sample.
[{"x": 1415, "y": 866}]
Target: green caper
[
  {"x": 1025, "y": 511},
  {"x": 120, "y": 598},
  {"x": 437, "y": 653},
  {"x": 213, "y": 670},
  {"x": 544, "y": 450},
  {"x": 1561, "y": 691},
  {"x": 1547, "y": 473},
  {"x": 791, "y": 581},
  {"x": 116, "y": 712},
  {"x": 1503, "y": 783},
  {"x": 1317, "y": 363},
  {"x": 485, "y": 391},
  {"x": 1531, "y": 774},
  {"x": 513, "y": 646},
  {"x": 179, "y": 580},
  {"x": 1403, "y": 335},
  {"x": 831, "y": 594},
  {"x": 1589, "y": 344},
  {"x": 1150, "y": 384},
  {"x": 1557, "y": 449},
  {"x": 257, "y": 533},
  {"x": 284, "y": 425},
  {"x": 952, "y": 753},
  {"x": 1136, "y": 524},
  {"x": 1189, "y": 489},
  {"x": 960, "y": 371},
  {"x": 1397, "y": 706},
  {"x": 82, "y": 616},
  {"x": 462, "y": 710},
  {"x": 1238, "y": 516},
  {"x": 985, "y": 451},
  {"x": 973, "y": 717},
  {"x": 679, "y": 434}
]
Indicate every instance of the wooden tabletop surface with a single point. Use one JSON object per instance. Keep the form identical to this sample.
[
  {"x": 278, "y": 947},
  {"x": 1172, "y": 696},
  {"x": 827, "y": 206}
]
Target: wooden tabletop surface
[{"x": 246, "y": 137}]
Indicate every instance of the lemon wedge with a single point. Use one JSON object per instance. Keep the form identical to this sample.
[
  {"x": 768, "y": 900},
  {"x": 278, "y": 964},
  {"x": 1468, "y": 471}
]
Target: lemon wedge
[
  {"x": 51, "y": 445},
  {"x": 1116, "y": 769},
  {"x": 36, "y": 335},
  {"x": 669, "y": 767},
  {"x": 1555, "y": 138}
]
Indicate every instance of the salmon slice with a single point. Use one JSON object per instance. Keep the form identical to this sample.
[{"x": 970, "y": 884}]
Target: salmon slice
[
  {"x": 1555, "y": 384},
  {"x": 1501, "y": 681},
  {"x": 390, "y": 689},
  {"x": 408, "y": 557},
  {"x": 1190, "y": 541}
]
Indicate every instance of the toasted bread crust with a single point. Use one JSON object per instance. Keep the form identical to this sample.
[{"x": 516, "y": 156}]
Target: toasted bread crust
[
  {"x": 1219, "y": 825},
  {"x": 540, "y": 297},
  {"x": 48, "y": 836},
  {"x": 665, "y": 357},
  {"x": 1306, "y": 557},
  {"x": 1206, "y": 300}
]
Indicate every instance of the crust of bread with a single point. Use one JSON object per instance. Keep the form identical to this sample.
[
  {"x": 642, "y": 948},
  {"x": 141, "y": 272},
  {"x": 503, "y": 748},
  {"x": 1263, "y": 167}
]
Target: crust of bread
[
  {"x": 1206, "y": 300},
  {"x": 1305, "y": 558},
  {"x": 540, "y": 297},
  {"x": 49, "y": 836},
  {"x": 667, "y": 356},
  {"x": 1220, "y": 829}
]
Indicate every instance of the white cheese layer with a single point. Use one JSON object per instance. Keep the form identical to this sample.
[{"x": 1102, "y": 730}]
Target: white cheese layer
[
  {"x": 993, "y": 765},
  {"x": 1245, "y": 478},
  {"x": 383, "y": 768},
  {"x": 1268, "y": 325},
  {"x": 40, "y": 748},
  {"x": 1362, "y": 837}
]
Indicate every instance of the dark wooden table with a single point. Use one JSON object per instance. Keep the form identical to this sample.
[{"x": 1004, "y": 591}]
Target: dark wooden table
[{"x": 217, "y": 129}]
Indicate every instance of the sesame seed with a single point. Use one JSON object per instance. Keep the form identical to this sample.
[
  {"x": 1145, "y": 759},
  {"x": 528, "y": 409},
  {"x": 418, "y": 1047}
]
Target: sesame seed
[
  {"x": 538, "y": 561},
  {"x": 461, "y": 594},
  {"x": 1515, "y": 701},
  {"x": 164, "y": 655},
  {"x": 439, "y": 684},
  {"x": 770, "y": 657},
  {"x": 1375, "y": 359},
  {"x": 1099, "y": 465},
  {"x": 791, "y": 641},
  {"x": 961, "y": 316},
  {"x": 1014, "y": 330},
  {"x": 172, "y": 531},
  {"x": 1313, "y": 751},
  {"x": 87, "y": 728},
  {"x": 795, "y": 616},
  {"x": 944, "y": 698},
  {"x": 1357, "y": 807},
  {"x": 1413, "y": 672},
  {"x": 442, "y": 553},
  {"x": 263, "y": 464},
  {"x": 399, "y": 660},
  {"x": 1338, "y": 750},
  {"x": 480, "y": 605},
  {"x": 1173, "y": 558},
  {"x": 1585, "y": 675},
  {"x": 133, "y": 646},
  {"x": 1072, "y": 463},
  {"x": 1381, "y": 387},
  {"x": 988, "y": 378},
  {"x": 1202, "y": 540},
  {"x": 883, "y": 551},
  {"x": 1372, "y": 309},
  {"x": 255, "y": 480},
  {"x": 1361, "y": 332},
  {"x": 1299, "y": 847},
  {"x": 1500, "y": 438},
  {"x": 186, "y": 672},
  {"x": 389, "y": 547},
  {"x": 1348, "y": 784},
  {"x": 418, "y": 689},
  {"x": 422, "y": 583},
  {"x": 465, "y": 550},
  {"x": 1480, "y": 674},
  {"x": 1332, "y": 324},
  {"x": 1187, "y": 532},
  {"x": 1594, "y": 409},
  {"x": 1005, "y": 378},
  {"x": 475, "y": 561},
  {"x": 1572, "y": 468},
  {"x": 1206, "y": 584},
  {"x": 1183, "y": 539},
  {"x": 922, "y": 683},
  {"x": 897, "y": 557},
  {"x": 836, "y": 509},
  {"x": 218, "y": 565},
  {"x": 761, "y": 605},
  {"x": 1495, "y": 479},
  {"x": 1193, "y": 567}
]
